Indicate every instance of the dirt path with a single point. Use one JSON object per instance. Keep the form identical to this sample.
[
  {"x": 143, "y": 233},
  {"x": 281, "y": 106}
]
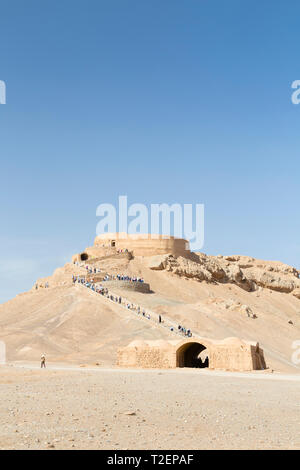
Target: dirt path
[{"x": 257, "y": 375}]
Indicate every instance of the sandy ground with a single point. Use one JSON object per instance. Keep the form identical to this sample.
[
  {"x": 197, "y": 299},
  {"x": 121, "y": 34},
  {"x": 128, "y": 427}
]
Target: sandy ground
[{"x": 66, "y": 407}]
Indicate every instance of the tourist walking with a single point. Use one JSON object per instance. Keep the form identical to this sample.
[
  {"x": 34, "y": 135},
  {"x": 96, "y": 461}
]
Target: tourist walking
[{"x": 43, "y": 361}]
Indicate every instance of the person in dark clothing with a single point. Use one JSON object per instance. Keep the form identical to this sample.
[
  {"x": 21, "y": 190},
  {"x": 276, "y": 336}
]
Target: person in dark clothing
[{"x": 43, "y": 362}]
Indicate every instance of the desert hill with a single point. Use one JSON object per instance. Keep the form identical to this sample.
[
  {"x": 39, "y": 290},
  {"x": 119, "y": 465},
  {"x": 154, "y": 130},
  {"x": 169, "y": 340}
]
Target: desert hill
[{"x": 216, "y": 297}]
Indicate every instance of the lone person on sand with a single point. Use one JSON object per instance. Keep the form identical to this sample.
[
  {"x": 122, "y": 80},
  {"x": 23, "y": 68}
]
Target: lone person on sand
[{"x": 43, "y": 361}]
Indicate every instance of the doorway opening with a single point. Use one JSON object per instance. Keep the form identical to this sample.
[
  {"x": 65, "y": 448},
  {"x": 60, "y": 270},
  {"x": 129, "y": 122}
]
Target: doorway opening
[{"x": 192, "y": 355}]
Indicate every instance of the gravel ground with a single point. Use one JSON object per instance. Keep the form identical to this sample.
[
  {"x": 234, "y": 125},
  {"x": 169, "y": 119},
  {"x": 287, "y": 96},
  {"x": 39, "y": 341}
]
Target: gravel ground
[{"x": 123, "y": 409}]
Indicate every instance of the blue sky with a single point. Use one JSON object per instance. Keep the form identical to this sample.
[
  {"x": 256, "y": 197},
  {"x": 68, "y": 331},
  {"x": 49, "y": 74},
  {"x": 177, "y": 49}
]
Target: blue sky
[{"x": 163, "y": 101}]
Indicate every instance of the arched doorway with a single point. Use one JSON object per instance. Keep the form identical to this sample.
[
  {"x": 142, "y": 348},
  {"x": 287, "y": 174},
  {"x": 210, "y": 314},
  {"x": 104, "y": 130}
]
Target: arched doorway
[
  {"x": 84, "y": 257},
  {"x": 192, "y": 354}
]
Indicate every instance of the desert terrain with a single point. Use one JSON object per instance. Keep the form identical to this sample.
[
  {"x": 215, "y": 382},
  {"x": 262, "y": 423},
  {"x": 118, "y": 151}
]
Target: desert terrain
[
  {"x": 69, "y": 408},
  {"x": 82, "y": 400}
]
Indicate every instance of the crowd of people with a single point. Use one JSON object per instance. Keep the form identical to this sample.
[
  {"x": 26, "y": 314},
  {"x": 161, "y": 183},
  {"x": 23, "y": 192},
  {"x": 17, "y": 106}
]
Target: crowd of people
[
  {"x": 89, "y": 269},
  {"x": 122, "y": 277},
  {"x": 100, "y": 289},
  {"x": 107, "y": 277},
  {"x": 184, "y": 331}
]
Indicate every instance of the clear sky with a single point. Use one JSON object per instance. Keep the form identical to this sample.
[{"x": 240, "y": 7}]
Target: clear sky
[{"x": 163, "y": 101}]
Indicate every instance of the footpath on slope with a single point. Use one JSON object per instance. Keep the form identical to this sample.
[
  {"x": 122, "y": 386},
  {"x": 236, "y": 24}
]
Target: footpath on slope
[{"x": 142, "y": 313}]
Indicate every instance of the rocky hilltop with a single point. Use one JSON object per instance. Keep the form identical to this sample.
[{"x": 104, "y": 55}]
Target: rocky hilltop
[{"x": 247, "y": 273}]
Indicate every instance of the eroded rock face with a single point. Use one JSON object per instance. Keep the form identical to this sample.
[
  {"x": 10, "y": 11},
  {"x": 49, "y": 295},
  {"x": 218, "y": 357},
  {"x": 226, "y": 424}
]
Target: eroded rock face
[
  {"x": 272, "y": 280},
  {"x": 296, "y": 293},
  {"x": 158, "y": 263},
  {"x": 246, "y": 272},
  {"x": 237, "y": 276},
  {"x": 234, "y": 305}
]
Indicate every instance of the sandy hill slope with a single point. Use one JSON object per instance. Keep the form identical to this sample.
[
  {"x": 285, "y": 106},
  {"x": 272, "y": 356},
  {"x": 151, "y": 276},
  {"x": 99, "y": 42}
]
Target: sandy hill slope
[
  {"x": 215, "y": 297},
  {"x": 69, "y": 324}
]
